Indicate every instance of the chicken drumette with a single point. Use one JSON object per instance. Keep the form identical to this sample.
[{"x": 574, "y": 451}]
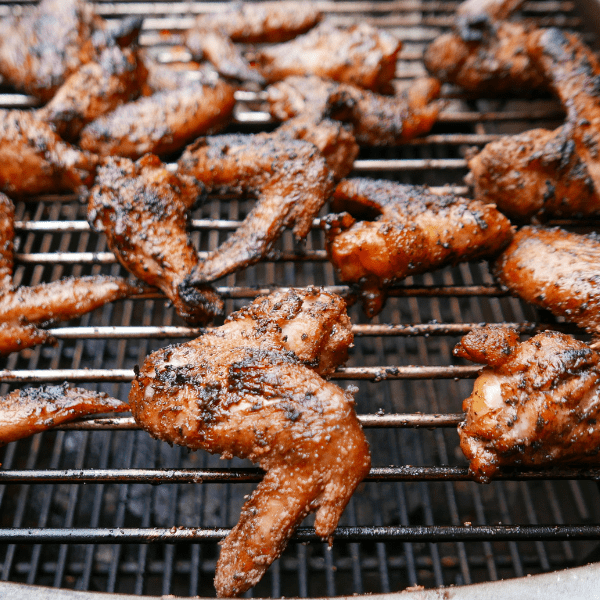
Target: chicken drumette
[
  {"x": 144, "y": 211},
  {"x": 414, "y": 231},
  {"x": 536, "y": 403},
  {"x": 556, "y": 270},
  {"x": 253, "y": 388}
]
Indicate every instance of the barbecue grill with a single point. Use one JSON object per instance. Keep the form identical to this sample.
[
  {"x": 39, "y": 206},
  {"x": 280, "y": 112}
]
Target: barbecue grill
[{"x": 151, "y": 521}]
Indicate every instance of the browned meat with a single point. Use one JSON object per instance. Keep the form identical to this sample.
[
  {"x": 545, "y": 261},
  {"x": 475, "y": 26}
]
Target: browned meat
[
  {"x": 534, "y": 174},
  {"x": 96, "y": 88},
  {"x": 360, "y": 55},
  {"x": 29, "y": 411},
  {"x": 261, "y": 22},
  {"x": 34, "y": 160},
  {"x": 556, "y": 270},
  {"x": 498, "y": 64},
  {"x": 7, "y": 234},
  {"x": 376, "y": 119},
  {"x": 573, "y": 71},
  {"x": 161, "y": 123},
  {"x": 414, "y": 231},
  {"x": 289, "y": 177},
  {"x": 536, "y": 404},
  {"x": 144, "y": 211},
  {"x": 252, "y": 388},
  {"x": 473, "y": 17}
]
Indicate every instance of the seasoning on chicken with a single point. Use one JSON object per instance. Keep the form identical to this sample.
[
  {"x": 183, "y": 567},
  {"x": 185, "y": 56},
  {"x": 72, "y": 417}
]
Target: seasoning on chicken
[
  {"x": 161, "y": 123},
  {"x": 29, "y": 411},
  {"x": 164, "y": 77},
  {"x": 262, "y": 22},
  {"x": 537, "y": 173},
  {"x": 144, "y": 211},
  {"x": 253, "y": 388},
  {"x": 535, "y": 404},
  {"x": 556, "y": 270},
  {"x": 359, "y": 54},
  {"x": 34, "y": 160},
  {"x": 376, "y": 120},
  {"x": 289, "y": 177},
  {"x": 96, "y": 88},
  {"x": 414, "y": 231}
]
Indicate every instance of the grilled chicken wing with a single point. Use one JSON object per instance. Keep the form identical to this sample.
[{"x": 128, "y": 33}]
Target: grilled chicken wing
[
  {"x": 536, "y": 404},
  {"x": 161, "y": 123},
  {"x": 34, "y": 160},
  {"x": 262, "y": 22},
  {"x": 534, "y": 174},
  {"x": 473, "y": 17},
  {"x": 376, "y": 119},
  {"x": 556, "y": 270},
  {"x": 7, "y": 234},
  {"x": 144, "y": 211},
  {"x": 252, "y": 388},
  {"x": 289, "y": 177},
  {"x": 360, "y": 54},
  {"x": 29, "y": 411},
  {"x": 96, "y": 88},
  {"x": 164, "y": 77},
  {"x": 415, "y": 231}
]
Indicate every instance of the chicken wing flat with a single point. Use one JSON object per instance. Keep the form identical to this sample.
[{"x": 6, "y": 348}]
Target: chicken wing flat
[
  {"x": 534, "y": 174},
  {"x": 376, "y": 119},
  {"x": 161, "y": 123},
  {"x": 7, "y": 235},
  {"x": 556, "y": 270},
  {"x": 29, "y": 411},
  {"x": 96, "y": 88},
  {"x": 34, "y": 160},
  {"x": 144, "y": 211},
  {"x": 253, "y": 388},
  {"x": 415, "y": 231},
  {"x": 262, "y": 22},
  {"x": 536, "y": 404},
  {"x": 359, "y": 54},
  {"x": 289, "y": 177}
]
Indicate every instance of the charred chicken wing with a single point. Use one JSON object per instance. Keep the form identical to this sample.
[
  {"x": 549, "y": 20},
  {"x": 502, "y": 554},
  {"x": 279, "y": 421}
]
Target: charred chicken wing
[
  {"x": 144, "y": 211},
  {"x": 536, "y": 403},
  {"x": 414, "y": 231},
  {"x": 29, "y": 411},
  {"x": 289, "y": 177},
  {"x": 473, "y": 17},
  {"x": 253, "y": 388},
  {"x": 556, "y": 270}
]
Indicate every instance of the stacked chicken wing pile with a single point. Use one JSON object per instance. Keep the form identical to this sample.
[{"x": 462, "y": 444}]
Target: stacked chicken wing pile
[{"x": 256, "y": 386}]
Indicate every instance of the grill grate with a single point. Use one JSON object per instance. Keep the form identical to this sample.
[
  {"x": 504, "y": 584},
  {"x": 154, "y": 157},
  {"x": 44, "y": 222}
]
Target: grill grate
[{"x": 417, "y": 520}]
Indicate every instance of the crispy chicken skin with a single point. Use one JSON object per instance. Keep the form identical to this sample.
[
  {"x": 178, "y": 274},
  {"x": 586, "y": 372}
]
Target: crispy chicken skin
[
  {"x": 376, "y": 120},
  {"x": 289, "y": 177},
  {"x": 96, "y": 88},
  {"x": 144, "y": 211},
  {"x": 34, "y": 160},
  {"x": 537, "y": 173},
  {"x": 252, "y": 388},
  {"x": 161, "y": 123},
  {"x": 29, "y": 411},
  {"x": 414, "y": 231},
  {"x": 556, "y": 270},
  {"x": 536, "y": 404},
  {"x": 359, "y": 54},
  {"x": 262, "y": 22}
]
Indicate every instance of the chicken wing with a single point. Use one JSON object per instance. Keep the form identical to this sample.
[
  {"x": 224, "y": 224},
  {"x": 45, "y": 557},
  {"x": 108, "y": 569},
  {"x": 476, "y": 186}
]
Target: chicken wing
[
  {"x": 252, "y": 388},
  {"x": 536, "y": 404},
  {"x": 360, "y": 54},
  {"x": 96, "y": 88},
  {"x": 144, "y": 211},
  {"x": 7, "y": 234},
  {"x": 34, "y": 160},
  {"x": 290, "y": 178},
  {"x": 473, "y": 17},
  {"x": 29, "y": 411},
  {"x": 556, "y": 270},
  {"x": 262, "y": 22},
  {"x": 161, "y": 123},
  {"x": 414, "y": 231},
  {"x": 534, "y": 174}
]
